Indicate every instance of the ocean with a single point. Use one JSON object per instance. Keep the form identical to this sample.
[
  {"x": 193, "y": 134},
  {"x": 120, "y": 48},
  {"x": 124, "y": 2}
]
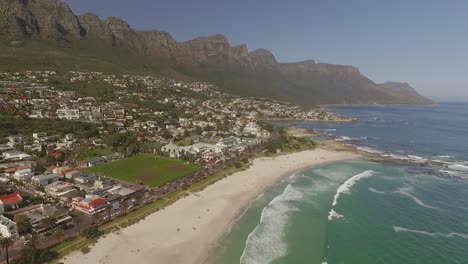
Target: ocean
[{"x": 365, "y": 212}]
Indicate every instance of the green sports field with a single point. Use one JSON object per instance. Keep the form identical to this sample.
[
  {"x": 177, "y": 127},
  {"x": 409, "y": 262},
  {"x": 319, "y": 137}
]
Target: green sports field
[{"x": 148, "y": 169}]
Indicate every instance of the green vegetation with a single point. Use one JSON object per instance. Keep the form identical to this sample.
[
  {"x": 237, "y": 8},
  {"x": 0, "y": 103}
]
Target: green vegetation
[
  {"x": 83, "y": 242},
  {"x": 147, "y": 169},
  {"x": 287, "y": 143},
  {"x": 86, "y": 152},
  {"x": 10, "y": 125}
]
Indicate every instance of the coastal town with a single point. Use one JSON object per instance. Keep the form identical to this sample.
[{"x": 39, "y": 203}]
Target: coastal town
[{"x": 67, "y": 138}]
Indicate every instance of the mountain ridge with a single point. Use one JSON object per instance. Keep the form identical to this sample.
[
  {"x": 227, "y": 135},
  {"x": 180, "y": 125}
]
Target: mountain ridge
[{"x": 209, "y": 58}]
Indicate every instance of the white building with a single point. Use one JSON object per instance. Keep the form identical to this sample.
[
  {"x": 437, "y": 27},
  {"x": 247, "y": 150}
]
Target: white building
[
  {"x": 8, "y": 228},
  {"x": 69, "y": 114},
  {"x": 45, "y": 179},
  {"x": 23, "y": 175}
]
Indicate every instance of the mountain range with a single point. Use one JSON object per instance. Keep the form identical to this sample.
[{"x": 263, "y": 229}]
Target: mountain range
[{"x": 38, "y": 34}]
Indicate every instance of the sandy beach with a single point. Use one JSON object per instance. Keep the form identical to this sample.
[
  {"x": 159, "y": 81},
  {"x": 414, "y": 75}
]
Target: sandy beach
[{"x": 188, "y": 231}]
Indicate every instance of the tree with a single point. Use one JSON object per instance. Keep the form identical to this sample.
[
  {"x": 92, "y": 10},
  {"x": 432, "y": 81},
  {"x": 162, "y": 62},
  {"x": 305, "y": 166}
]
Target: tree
[
  {"x": 23, "y": 224},
  {"x": 109, "y": 211},
  {"x": 59, "y": 234},
  {"x": 6, "y": 243},
  {"x": 125, "y": 206},
  {"x": 34, "y": 239},
  {"x": 78, "y": 221},
  {"x": 95, "y": 218},
  {"x": 139, "y": 198},
  {"x": 91, "y": 232}
]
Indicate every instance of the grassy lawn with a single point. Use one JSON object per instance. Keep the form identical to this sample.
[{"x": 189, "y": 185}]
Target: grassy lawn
[
  {"x": 148, "y": 169},
  {"x": 86, "y": 153}
]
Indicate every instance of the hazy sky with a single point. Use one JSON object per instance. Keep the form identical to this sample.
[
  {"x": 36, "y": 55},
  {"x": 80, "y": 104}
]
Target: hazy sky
[{"x": 422, "y": 42}]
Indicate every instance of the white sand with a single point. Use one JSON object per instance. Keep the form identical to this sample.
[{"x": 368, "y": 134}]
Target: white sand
[{"x": 202, "y": 218}]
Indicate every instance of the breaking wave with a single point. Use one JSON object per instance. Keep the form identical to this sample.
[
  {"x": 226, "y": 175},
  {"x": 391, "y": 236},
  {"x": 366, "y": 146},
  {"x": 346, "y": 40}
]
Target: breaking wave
[
  {"x": 399, "y": 229},
  {"x": 346, "y": 186},
  {"x": 376, "y": 191},
  {"x": 266, "y": 242},
  {"x": 333, "y": 215},
  {"x": 406, "y": 191}
]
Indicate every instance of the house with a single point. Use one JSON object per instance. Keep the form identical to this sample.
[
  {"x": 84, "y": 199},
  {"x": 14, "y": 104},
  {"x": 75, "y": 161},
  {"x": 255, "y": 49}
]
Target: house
[
  {"x": 6, "y": 148},
  {"x": 96, "y": 161},
  {"x": 68, "y": 114},
  {"x": 23, "y": 174},
  {"x": 103, "y": 183},
  {"x": 228, "y": 142},
  {"x": 14, "y": 155},
  {"x": 40, "y": 136},
  {"x": 85, "y": 178},
  {"x": 9, "y": 200},
  {"x": 172, "y": 150},
  {"x": 58, "y": 153},
  {"x": 45, "y": 179},
  {"x": 60, "y": 170},
  {"x": 122, "y": 191},
  {"x": 15, "y": 140},
  {"x": 62, "y": 189},
  {"x": 97, "y": 142},
  {"x": 8, "y": 228},
  {"x": 71, "y": 173},
  {"x": 69, "y": 137},
  {"x": 90, "y": 205},
  {"x": 37, "y": 215}
]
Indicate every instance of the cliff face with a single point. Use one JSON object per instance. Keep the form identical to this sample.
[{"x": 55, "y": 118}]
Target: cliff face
[{"x": 209, "y": 58}]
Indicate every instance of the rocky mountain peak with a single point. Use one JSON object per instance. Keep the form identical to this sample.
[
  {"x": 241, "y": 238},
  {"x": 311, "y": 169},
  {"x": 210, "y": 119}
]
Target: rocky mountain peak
[
  {"x": 157, "y": 42},
  {"x": 263, "y": 58}
]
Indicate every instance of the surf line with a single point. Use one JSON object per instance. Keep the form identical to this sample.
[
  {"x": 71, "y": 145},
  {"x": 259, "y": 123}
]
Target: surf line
[{"x": 345, "y": 188}]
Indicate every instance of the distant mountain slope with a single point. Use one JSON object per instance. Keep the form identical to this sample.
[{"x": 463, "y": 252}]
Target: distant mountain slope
[
  {"x": 402, "y": 88},
  {"x": 46, "y": 34}
]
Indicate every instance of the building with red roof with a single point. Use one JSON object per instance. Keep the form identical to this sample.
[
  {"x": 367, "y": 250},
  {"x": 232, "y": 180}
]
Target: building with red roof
[
  {"x": 9, "y": 200},
  {"x": 91, "y": 204}
]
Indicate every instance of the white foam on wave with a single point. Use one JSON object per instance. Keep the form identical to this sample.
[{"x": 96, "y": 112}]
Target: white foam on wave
[
  {"x": 333, "y": 215},
  {"x": 407, "y": 191},
  {"x": 446, "y": 157},
  {"x": 266, "y": 242},
  {"x": 369, "y": 150},
  {"x": 399, "y": 229},
  {"x": 417, "y": 158},
  {"x": 346, "y": 186},
  {"x": 458, "y": 167},
  {"x": 343, "y": 138},
  {"x": 376, "y": 191}
]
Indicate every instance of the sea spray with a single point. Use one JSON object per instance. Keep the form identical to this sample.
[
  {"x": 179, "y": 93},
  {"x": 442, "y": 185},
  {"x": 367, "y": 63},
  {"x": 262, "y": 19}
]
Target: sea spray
[{"x": 333, "y": 215}]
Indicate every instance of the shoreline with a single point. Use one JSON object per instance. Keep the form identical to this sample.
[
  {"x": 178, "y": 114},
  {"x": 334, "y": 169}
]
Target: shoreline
[{"x": 191, "y": 229}]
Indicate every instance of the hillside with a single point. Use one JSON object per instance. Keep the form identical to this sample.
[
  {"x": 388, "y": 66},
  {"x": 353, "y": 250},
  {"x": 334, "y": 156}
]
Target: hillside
[{"x": 38, "y": 34}]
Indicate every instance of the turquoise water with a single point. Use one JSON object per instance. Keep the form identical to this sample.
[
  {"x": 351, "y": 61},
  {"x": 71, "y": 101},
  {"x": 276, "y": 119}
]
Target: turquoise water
[
  {"x": 388, "y": 216},
  {"x": 364, "y": 212}
]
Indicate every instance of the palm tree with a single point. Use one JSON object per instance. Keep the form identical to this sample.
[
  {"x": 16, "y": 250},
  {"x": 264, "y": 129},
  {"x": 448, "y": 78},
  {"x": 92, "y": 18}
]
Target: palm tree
[
  {"x": 5, "y": 243},
  {"x": 125, "y": 206},
  {"x": 78, "y": 221},
  {"x": 95, "y": 218},
  {"x": 22, "y": 223},
  {"x": 34, "y": 239},
  {"x": 109, "y": 211},
  {"x": 139, "y": 198},
  {"x": 59, "y": 234}
]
